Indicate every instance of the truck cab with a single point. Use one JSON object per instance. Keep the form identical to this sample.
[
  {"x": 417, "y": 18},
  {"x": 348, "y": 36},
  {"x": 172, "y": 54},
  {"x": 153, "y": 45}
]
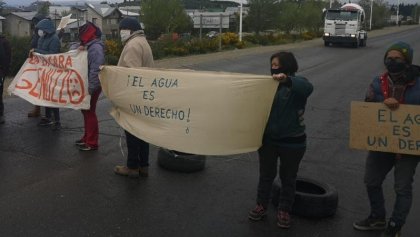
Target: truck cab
[{"x": 345, "y": 25}]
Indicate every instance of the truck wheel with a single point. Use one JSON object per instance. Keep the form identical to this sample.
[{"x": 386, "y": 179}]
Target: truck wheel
[
  {"x": 182, "y": 162},
  {"x": 312, "y": 198}
]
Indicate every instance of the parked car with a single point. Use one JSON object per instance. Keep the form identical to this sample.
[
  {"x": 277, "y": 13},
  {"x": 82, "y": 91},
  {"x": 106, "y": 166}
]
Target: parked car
[{"x": 212, "y": 34}]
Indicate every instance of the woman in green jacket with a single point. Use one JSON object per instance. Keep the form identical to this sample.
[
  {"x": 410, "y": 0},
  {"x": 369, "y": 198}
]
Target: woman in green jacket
[{"x": 284, "y": 138}]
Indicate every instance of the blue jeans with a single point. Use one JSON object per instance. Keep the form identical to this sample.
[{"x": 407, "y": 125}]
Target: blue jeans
[
  {"x": 378, "y": 165},
  {"x": 289, "y": 165},
  {"x": 138, "y": 151}
]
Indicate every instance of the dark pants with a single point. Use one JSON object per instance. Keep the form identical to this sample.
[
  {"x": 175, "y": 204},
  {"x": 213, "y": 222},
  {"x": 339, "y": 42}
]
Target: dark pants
[
  {"x": 2, "y": 78},
  {"x": 289, "y": 164},
  {"x": 138, "y": 151},
  {"x": 378, "y": 165},
  {"x": 91, "y": 135},
  {"x": 49, "y": 111}
]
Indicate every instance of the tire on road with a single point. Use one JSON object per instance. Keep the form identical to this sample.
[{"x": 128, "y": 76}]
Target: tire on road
[
  {"x": 313, "y": 199},
  {"x": 179, "y": 161}
]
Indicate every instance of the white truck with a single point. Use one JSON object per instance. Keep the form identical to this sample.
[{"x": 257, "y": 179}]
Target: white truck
[{"x": 345, "y": 25}]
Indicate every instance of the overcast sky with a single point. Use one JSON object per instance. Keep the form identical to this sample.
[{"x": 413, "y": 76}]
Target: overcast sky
[{"x": 27, "y": 2}]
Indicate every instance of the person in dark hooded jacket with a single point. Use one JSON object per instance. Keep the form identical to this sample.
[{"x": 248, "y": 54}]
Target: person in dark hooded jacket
[
  {"x": 90, "y": 40},
  {"x": 5, "y": 58},
  {"x": 36, "y": 111},
  {"x": 48, "y": 43}
]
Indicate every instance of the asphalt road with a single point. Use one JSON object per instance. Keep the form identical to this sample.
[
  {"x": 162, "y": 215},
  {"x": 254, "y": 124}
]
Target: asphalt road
[{"x": 49, "y": 188}]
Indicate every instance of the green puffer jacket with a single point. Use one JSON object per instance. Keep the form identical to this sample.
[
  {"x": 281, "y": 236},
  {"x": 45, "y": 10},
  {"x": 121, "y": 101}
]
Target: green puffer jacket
[{"x": 285, "y": 127}]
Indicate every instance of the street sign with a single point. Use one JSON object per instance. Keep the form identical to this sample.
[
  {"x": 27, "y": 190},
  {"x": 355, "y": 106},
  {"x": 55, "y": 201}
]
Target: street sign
[{"x": 211, "y": 20}]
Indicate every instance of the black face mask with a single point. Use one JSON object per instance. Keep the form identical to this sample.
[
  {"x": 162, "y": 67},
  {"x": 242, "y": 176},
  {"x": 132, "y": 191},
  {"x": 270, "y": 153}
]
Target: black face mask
[
  {"x": 277, "y": 71},
  {"x": 395, "y": 65}
]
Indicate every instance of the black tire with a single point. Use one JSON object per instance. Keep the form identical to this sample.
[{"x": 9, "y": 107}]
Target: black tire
[
  {"x": 313, "y": 199},
  {"x": 181, "y": 162}
]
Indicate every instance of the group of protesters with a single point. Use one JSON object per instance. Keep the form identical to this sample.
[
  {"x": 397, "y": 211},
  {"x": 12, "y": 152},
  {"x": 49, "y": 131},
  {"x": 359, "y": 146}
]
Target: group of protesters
[{"x": 284, "y": 137}]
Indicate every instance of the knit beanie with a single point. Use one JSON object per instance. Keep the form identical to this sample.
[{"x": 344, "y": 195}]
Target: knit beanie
[
  {"x": 404, "y": 48},
  {"x": 130, "y": 24}
]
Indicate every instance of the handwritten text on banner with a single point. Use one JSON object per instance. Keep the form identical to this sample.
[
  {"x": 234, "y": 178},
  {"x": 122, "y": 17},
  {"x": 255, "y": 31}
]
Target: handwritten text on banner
[
  {"x": 54, "y": 80},
  {"x": 208, "y": 113},
  {"x": 375, "y": 127}
]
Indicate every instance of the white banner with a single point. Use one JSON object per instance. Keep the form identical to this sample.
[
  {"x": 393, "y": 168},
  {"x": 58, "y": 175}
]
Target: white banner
[
  {"x": 207, "y": 113},
  {"x": 54, "y": 80}
]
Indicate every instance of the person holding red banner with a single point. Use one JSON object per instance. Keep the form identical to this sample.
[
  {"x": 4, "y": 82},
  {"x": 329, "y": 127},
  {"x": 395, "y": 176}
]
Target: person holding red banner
[
  {"x": 48, "y": 43},
  {"x": 399, "y": 84},
  {"x": 136, "y": 53},
  {"x": 90, "y": 40}
]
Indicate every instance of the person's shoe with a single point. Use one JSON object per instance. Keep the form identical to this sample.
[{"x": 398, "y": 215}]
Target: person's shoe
[
  {"x": 125, "y": 171},
  {"x": 79, "y": 142},
  {"x": 1, "y": 119},
  {"x": 45, "y": 122},
  {"x": 56, "y": 126},
  {"x": 392, "y": 230},
  {"x": 370, "y": 224},
  {"x": 85, "y": 147},
  {"x": 144, "y": 171},
  {"x": 258, "y": 213},
  {"x": 35, "y": 112},
  {"x": 283, "y": 219}
]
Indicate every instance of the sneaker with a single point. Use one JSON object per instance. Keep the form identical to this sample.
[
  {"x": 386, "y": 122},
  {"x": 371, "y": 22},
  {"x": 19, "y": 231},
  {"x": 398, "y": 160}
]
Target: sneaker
[
  {"x": 125, "y": 171},
  {"x": 56, "y": 126},
  {"x": 79, "y": 142},
  {"x": 283, "y": 219},
  {"x": 144, "y": 171},
  {"x": 258, "y": 213},
  {"x": 392, "y": 230},
  {"x": 45, "y": 122},
  {"x": 85, "y": 147},
  {"x": 370, "y": 224}
]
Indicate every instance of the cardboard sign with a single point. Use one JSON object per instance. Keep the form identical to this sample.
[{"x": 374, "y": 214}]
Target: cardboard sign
[
  {"x": 375, "y": 127},
  {"x": 54, "y": 80},
  {"x": 196, "y": 112}
]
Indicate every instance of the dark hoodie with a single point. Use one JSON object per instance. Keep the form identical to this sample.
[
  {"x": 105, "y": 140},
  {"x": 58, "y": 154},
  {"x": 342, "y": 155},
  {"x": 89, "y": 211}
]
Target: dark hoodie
[
  {"x": 49, "y": 43},
  {"x": 37, "y": 18}
]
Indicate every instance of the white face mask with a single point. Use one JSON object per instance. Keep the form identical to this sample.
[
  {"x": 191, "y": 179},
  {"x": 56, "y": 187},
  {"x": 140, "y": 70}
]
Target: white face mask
[
  {"x": 125, "y": 34},
  {"x": 41, "y": 33}
]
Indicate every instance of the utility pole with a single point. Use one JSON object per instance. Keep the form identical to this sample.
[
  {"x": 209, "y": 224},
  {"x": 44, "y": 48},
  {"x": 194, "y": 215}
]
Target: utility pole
[
  {"x": 240, "y": 24},
  {"x": 398, "y": 12},
  {"x": 371, "y": 13}
]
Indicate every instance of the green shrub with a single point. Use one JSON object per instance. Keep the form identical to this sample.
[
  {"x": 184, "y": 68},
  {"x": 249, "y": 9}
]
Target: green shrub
[{"x": 20, "y": 49}]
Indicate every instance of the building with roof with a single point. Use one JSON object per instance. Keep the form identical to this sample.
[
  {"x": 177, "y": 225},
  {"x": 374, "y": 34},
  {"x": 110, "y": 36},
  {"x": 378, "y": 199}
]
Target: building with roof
[{"x": 19, "y": 23}]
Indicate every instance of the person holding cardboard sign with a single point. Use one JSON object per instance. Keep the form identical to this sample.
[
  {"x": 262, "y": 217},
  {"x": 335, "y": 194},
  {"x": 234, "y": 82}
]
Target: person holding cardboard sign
[
  {"x": 399, "y": 84},
  {"x": 136, "y": 53},
  {"x": 284, "y": 138}
]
